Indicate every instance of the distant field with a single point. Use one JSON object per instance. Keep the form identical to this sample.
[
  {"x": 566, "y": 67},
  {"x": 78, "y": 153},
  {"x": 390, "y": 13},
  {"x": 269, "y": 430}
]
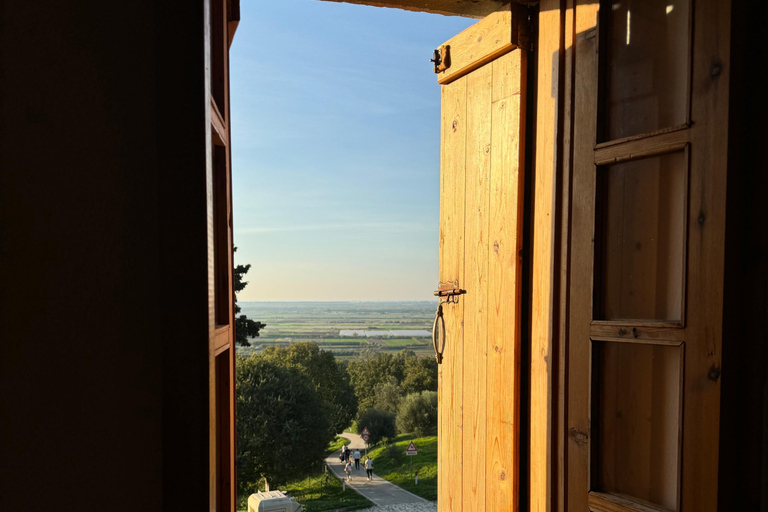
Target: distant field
[
  {"x": 404, "y": 342},
  {"x": 290, "y": 322}
]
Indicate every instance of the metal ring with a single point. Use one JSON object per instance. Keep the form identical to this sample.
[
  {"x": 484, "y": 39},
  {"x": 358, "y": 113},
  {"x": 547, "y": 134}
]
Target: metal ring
[{"x": 438, "y": 318}]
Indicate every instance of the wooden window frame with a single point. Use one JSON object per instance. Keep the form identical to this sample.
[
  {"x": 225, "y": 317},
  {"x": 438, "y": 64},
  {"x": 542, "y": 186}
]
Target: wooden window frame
[
  {"x": 221, "y": 20},
  {"x": 566, "y": 142}
]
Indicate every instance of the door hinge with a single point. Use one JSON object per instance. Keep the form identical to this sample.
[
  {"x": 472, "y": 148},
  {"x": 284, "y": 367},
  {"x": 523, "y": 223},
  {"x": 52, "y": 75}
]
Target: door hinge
[
  {"x": 523, "y": 26},
  {"x": 441, "y": 58}
]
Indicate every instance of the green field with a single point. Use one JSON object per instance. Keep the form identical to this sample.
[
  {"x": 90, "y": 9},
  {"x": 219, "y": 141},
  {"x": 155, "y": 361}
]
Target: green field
[
  {"x": 291, "y": 322},
  {"x": 406, "y": 342}
]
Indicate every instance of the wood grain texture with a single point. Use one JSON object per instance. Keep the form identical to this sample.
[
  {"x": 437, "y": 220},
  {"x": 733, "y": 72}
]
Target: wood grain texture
[
  {"x": 548, "y": 104},
  {"x": 604, "y": 502},
  {"x": 479, "y": 44},
  {"x": 640, "y": 147},
  {"x": 478, "y": 169},
  {"x": 222, "y": 338},
  {"x": 563, "y": 254},
  {"x": 453, "y": 134},
  {"x": 482, "y": 161},
  {"x": 705, "y": 141},
  {"x": 504, "y": 271},
  {"x": 469, "y": 9},
  {"x": 706, "y": 242},
  {"x": 635, "y": 332},
  {"x": 636, "y": 420},
  {"x": 582, "y": 256}
]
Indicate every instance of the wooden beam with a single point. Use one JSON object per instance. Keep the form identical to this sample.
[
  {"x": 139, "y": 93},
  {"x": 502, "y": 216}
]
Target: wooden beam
[
  {"x": 467, "y": 8},
  {"x": 544, "y": 446}
]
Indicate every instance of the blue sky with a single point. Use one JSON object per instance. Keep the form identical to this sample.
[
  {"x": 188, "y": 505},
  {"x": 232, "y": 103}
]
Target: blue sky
[{"x": 336, "y": 150}]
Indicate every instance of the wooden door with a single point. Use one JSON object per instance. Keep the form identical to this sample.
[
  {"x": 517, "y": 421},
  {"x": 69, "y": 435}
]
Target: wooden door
[
  {"x": 481, "y": 198},
  {"x": 647, "y": 221}
]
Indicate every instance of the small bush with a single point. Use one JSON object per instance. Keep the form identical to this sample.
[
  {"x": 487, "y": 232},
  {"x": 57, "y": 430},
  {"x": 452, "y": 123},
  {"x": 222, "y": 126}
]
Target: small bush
[
  {"x": 418, "y": 414},
  {"x": 393, "y": 452},
  {"x": 380, "y": 424}
]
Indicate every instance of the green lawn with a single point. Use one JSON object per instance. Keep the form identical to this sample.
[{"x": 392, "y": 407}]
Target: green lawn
[{"x": 391, "y": 463}]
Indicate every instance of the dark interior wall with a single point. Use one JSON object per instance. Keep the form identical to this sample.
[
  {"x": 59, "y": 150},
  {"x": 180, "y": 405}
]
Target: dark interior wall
[
  {"x": 103, "y": 276},
  {"x": 744, "y": 416}
]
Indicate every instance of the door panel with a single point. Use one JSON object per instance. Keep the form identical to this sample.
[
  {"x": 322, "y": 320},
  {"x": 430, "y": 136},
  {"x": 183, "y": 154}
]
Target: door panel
[
  {"x": 478, "y": 142},
  {"x": 450, "y": 372},
  {"x": 480, "y": 241}
]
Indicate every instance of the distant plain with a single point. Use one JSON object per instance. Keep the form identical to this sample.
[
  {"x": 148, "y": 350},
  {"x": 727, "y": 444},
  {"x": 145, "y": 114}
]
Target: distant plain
[{"x": 290, "y": 322}]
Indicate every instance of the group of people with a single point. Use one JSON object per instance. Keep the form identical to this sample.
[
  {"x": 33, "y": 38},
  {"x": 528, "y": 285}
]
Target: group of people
[{"x": 347, "y": 454}]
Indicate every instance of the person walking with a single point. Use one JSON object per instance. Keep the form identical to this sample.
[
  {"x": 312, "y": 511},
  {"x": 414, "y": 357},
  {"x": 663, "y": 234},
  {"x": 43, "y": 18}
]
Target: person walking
[
  {"x": 347, "y": 453},
  {"x": 369, "y": 467},
  {"x": 348, "y": 470},
  {"x": 356, "y": 456}
]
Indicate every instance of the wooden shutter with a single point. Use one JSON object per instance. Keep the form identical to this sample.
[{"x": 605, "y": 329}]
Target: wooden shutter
[
  {"x": 222, "y": 17},
  {"x": 481, "y": 199}
]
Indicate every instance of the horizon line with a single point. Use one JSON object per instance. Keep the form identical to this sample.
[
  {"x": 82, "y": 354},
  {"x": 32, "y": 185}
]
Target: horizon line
[{"x": 341, "y": 300}]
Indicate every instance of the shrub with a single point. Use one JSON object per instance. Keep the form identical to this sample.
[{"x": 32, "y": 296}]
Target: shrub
[
  {"x": 380, "y": 424},
  {"x": 418, "y": 414},
  {"x": 393, "y": 452}
]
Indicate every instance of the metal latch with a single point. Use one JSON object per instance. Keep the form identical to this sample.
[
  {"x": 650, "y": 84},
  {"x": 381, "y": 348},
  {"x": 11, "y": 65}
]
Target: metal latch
[
  {"x": 441, "y": 58},
  {"x": 449, "y": 292}
]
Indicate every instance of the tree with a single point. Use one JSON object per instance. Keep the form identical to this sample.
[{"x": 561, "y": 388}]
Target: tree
[
  {"x": 245, "y": 328},
  {"x": 329, "y": 376},
  {"x": 420, "y": 374},
  {"x": 388, "y": 396},
  {"x": 281, "y": 425},
  {"x": 368, "y": 374},
  {"x": 412, "y": 374},
  {"x": 418, "y": 413},
  {"x": 380, "y": 424}
]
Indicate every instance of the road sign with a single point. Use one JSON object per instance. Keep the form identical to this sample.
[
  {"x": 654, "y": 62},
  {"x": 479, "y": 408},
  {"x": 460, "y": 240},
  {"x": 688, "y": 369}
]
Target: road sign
[
  {"x": 411, "y": 450},
  {"x": 365, "y": 432},
  {"x": 365, "y": 437}
]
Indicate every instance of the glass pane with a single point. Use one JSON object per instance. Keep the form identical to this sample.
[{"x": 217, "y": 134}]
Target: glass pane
[
  {"x": 646, "y": 66},
  {"x": 640, "y": 239},
  {"x": 636, "y": 405}
]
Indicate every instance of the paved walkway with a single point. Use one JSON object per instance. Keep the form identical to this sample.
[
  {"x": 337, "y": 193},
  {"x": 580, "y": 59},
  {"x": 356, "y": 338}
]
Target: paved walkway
[{"x": 378, "y": 490}]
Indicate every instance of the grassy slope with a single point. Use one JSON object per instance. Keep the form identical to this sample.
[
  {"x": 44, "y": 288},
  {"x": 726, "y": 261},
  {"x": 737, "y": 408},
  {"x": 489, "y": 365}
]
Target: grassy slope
[
  {"x": 392, "y": 464},
  {"x": 317, "y": 493}
]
